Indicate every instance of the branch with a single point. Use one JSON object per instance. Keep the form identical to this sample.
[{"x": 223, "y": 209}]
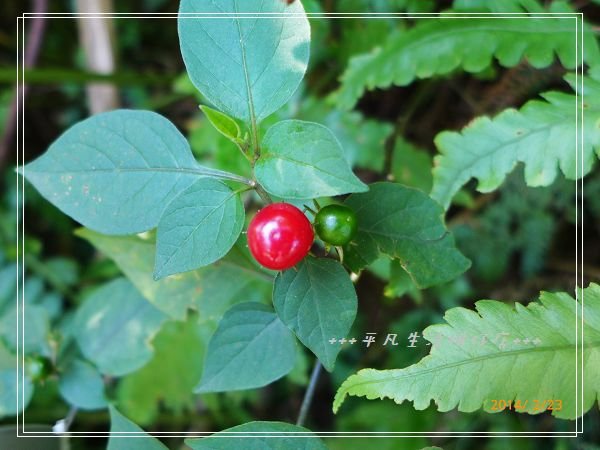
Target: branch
[{"x": 35, "y": 38}]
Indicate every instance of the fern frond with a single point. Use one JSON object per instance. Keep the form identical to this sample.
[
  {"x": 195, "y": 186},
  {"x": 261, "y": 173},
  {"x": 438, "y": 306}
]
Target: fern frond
[
  {"x": 529, "y": 359},
  {"x": 543, "y": 135},
  {"x": 439, "y": 46}
]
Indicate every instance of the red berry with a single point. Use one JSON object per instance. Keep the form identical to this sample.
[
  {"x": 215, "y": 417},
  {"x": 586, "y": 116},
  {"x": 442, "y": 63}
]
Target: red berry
[{"x": 279, "y": 236}]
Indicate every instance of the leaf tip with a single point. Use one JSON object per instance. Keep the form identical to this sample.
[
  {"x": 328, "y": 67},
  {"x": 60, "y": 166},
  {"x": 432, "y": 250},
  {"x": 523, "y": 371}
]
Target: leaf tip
[
  {"x": 158, "y": 274},
  {"x": 202, "y": 387}
]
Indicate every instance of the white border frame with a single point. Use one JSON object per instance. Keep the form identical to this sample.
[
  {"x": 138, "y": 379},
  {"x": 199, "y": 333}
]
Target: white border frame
[{"x": 20, "y": 138}]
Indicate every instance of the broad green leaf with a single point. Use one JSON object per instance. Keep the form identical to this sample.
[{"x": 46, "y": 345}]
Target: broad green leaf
[
  {"x": 209, "y": 290},
  {"x": 542, "y": 135},
  {"x": 35, "y": 328},
  {"x": 8, "y": 286},
  {"x": 251, "y": 348},
  {"x": 439, "y": 46},
  {"x": 407, "y": 225},
  {"x": 126, "y": 435},
  {"x": 117, "y": 171},
  {"x": 222, "y": 123},
  {"x": 168, "y": 379},
  {"x": 302, "y": 160},
  {"x": 362, "y": 139},
  {"x": 259, "y": 436},
  {"x": 247, "y": 66},
  {"x": 317, "y": 301},
  {"x": 9, "y": 393},
  {"x": 114, "y": 327},
  {"x": 82, "y": 386},
  {"x": 8, "y": 385},
  {"x": 500, "y": 352},
  {"x": 198, "y": 227}
]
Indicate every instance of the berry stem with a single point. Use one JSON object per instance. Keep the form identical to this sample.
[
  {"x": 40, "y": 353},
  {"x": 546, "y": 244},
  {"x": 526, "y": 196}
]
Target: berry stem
[
  {"x": 262, "y": 193},
  {"x": 309, "y": 209}
]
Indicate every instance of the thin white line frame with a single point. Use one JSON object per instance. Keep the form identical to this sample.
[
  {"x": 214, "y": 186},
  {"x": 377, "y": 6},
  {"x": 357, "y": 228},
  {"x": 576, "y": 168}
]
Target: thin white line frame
[{"x": 20, "y": 138}]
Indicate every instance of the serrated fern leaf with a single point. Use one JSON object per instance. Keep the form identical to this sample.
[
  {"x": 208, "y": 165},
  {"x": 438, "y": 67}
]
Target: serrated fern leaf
[
  {"x": 498, "y": 6},
  {"x": 542, "y": 134},
  {"x": 439, "y": 46},
  {"x": 529, "y": 358}
]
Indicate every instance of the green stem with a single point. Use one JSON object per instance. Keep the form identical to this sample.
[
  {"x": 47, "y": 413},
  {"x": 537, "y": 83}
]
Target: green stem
[
  {"x": 309, "y": 394},
  {"x": 62, "y": 76},
  {"x": 262, "y": 193},
  {"x": 254, "y": 133},
  {"x": 309, "y": 209}
]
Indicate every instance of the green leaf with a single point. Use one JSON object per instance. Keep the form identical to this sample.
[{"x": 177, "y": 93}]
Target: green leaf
[
  {"x": 251, "y": 348},
  {"x": 440, "y": 46},
  {"x": 114, "y": 327},
  {"x": 82, "y": 386},
  {"x": 526, "y": 354},
  {"x": 407, "y": 225},
  {"x": 126, "y": 435},
  {"x": 245, "y": 66},
  {"x": 36, "y": 327},
  {"x": 168, "y": 379},
  {"x": 362, "y": 139},
  {"x": 264, "y": 436},
  {"x": 223, "y": 123},
  {"x": 542, "y": 135},
  {"x": 209, "y": 290},
  {"x": 198, "y": 227},
  {"x": 302, "y": 160},
  {"x": 117, "y": 171},
  {"x": 317, "y": 301},
  {"x": 8, "y": 287},
  {"x": 8, "y": 385}
]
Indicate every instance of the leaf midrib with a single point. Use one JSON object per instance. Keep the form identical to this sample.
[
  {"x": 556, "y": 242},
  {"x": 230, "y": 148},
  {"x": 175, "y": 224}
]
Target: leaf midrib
[
  {"x": 432, "y": 36},
  {"x": 478, "y": 157},
  {"x": 473, "y": 361},
  {"x": 245, "y": 69}
]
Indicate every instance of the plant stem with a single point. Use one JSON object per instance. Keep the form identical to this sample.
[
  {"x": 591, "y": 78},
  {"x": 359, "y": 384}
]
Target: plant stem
[
  {"x": 310, "y": 210},
  {"x": 262, "y": 193},
  {"x": 70, "y": 417},
  {"x": 308, "y": 395},
  {"x": 34, "y": 39}
]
